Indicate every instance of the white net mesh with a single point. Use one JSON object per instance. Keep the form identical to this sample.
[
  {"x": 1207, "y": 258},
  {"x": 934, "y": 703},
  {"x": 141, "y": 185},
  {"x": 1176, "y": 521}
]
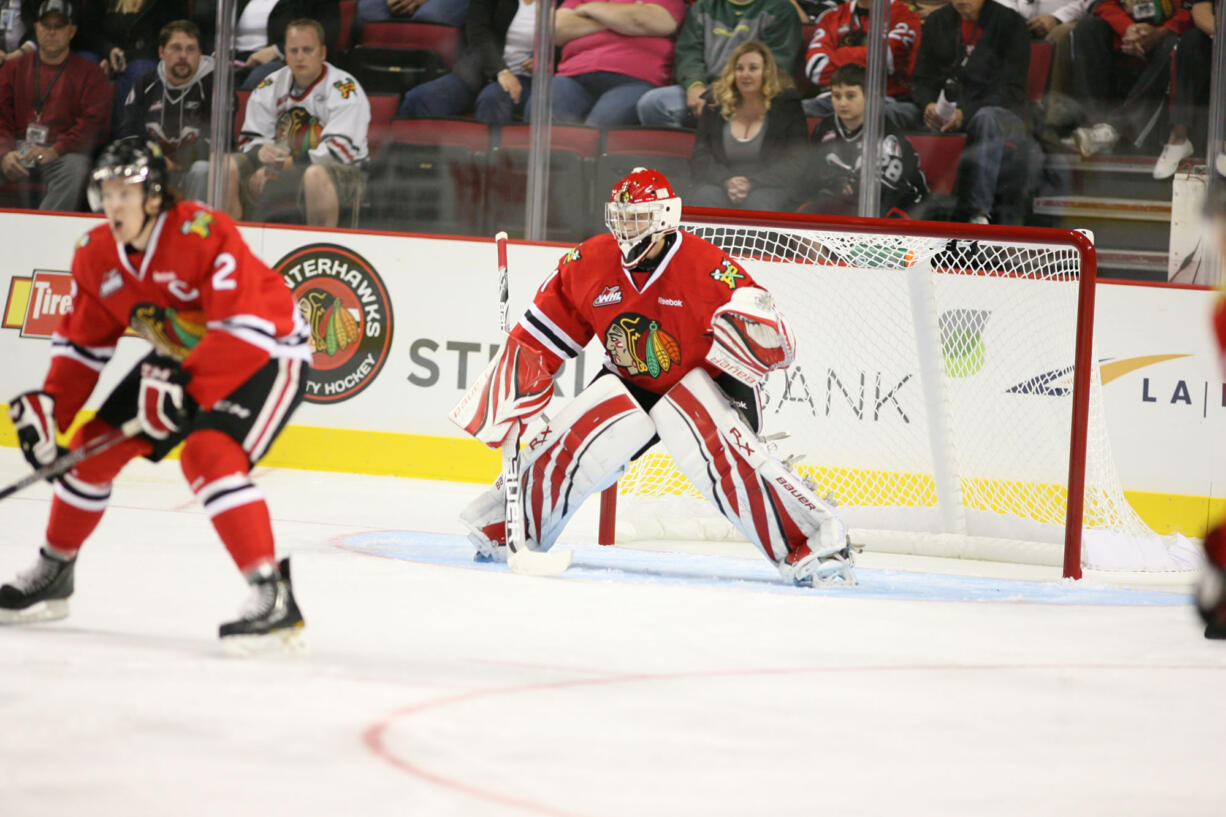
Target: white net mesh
[{"x": 931, "y": 399}]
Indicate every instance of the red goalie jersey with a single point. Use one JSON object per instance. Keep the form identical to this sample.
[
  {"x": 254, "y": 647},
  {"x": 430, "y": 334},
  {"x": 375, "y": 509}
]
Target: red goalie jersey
[
  {"x": 655, "y": 326},
  {"x": 228, "y": 311}
]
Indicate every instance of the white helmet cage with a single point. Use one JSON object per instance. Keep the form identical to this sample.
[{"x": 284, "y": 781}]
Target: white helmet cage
[{"x": 636, "y": 224}]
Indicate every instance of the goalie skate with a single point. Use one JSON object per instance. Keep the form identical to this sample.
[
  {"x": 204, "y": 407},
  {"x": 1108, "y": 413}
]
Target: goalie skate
[
  {"x": 805, "y": 568},
  {"x": 39, "y": 593},
  {"x": 485, "y": 518},
  {"x": 270, "y": 620}
]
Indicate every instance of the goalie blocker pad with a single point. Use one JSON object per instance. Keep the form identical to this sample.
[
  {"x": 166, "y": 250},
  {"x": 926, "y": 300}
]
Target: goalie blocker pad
[
  {"x": 771, "y": 506},
  {"x": 582, "y": 451},
  {"x": 515, "y": 386}
]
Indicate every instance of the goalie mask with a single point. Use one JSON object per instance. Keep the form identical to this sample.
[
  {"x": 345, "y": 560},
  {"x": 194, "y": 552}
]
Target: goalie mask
[
  {"x": 642, "y": 207},
  {"x": 133, "y": 160}
]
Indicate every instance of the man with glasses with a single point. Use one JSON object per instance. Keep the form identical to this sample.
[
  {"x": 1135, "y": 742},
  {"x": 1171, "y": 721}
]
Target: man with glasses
[{"x": 172, "y": 105}]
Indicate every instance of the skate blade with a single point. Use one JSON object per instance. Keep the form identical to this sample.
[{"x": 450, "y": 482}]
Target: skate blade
[
  {"x": 289, "y": 642},
  {"x": 844, "y": 577},
  {"x": 50, "y": 610}
]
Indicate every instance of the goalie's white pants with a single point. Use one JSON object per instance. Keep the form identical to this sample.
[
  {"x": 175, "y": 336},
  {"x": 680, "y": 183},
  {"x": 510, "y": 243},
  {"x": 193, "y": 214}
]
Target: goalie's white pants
[
  {"x": 582, "y": 451},
  {"x": 771, "y": 506}
]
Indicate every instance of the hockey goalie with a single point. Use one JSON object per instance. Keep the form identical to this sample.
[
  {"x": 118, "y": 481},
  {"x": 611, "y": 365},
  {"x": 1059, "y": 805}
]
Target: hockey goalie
[{"x": 688, "y": 337}]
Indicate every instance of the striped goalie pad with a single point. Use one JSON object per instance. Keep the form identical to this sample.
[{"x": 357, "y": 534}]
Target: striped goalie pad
[
  {"x": 750, "y": 337},
  {"x": 513, "y": 388},
  {"x": 582, "y": 451},
  {"x": 766, "y": 502}
]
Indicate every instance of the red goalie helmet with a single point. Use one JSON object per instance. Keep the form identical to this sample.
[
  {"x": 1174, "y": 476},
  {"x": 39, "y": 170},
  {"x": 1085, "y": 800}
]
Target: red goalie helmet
[{"x": 641, "y": 207}]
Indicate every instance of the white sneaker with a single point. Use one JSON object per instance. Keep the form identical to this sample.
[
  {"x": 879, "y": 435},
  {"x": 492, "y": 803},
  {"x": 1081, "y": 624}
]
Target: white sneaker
[
  {"x": 979, "y": 219},
  {"x": 1098, "y": 138},
  {"x": 1170, "y": 157}
]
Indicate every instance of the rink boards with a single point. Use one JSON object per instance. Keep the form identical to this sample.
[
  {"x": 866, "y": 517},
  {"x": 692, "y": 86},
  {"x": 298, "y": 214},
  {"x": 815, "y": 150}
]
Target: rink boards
[{"x": 402, "y": 325}]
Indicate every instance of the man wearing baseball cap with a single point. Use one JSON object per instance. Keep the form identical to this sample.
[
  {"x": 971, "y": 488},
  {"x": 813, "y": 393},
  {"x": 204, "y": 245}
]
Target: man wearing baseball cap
[{"x": 54, "y": 108}]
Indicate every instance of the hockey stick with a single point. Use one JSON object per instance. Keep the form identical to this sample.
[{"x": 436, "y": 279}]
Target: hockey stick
[
  {"x": 63, "y": 464},
  {"x": 520, "y": 557}
]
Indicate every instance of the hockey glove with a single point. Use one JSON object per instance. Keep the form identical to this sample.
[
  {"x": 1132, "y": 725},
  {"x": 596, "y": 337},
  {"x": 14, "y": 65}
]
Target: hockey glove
[
  {"x": 33, "y": 414},
  {"x": 1211, "y": 590},
  {"x": 750, "y": 338},
  {"x": 163, "y": 406}
]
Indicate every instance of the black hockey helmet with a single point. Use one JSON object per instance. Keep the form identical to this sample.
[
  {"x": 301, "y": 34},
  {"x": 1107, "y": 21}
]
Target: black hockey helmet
[{"x": 134, "y": 160}]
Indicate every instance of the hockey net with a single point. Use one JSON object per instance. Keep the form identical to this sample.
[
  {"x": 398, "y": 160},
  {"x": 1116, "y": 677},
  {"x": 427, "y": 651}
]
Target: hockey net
[{"x": 933, "y": 396}]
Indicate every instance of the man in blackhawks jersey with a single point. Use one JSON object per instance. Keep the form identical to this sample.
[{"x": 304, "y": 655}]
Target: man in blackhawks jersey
[
  {"x": 229, "y": 365},
  {"x": 304, "y": 131},
  {"x": 689, "y": 336}
]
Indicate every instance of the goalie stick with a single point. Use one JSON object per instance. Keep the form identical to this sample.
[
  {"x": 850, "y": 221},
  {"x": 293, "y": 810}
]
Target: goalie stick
[
  {"x": 61, "y": 465},
  {"x": 520, "y": 557}
]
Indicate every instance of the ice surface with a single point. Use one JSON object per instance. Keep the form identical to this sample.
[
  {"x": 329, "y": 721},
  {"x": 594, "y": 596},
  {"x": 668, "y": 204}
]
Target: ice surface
[{"x": 638, "y": 683}]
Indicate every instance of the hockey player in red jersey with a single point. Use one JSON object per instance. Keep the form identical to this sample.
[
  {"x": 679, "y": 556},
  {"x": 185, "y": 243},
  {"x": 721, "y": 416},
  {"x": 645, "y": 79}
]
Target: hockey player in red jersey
[
  {"x": 1211, "y": 591},
  {"x": 229, "y": 366},
  {"x": 688, "y": 337}
]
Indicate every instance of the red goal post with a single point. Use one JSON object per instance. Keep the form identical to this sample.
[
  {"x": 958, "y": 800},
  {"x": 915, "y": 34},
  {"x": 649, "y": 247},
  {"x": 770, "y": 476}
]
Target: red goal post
[{"x": 999, "y": 337}]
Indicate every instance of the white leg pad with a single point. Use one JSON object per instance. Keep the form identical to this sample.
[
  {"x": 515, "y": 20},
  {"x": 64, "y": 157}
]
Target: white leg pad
[
  {"x": 582, "y": 451},
  {"x": 769, "y": 504}
]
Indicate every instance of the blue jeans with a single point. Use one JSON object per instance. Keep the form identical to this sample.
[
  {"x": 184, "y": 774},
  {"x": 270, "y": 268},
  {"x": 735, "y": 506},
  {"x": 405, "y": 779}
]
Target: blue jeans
[
  {"x": 258, "y": 73},
  {"x": 447, "y": 12},
  {"x": 664, "y": 107},
  {"x": 444, "y": 96},
  {"x": 979, "y": 169},
  {"x": 494, "y": 105},
  {"x": 602, "y": 99}
]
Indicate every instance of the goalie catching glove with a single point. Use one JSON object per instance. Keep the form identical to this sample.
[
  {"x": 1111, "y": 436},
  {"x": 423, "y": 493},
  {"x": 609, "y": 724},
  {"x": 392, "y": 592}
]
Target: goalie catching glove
[
  {"x": 33, "y": 415},
  {"x": 750, "y": 337},
  {"x": 163, "y": 407},
  {"x": 514, "y": 388}
]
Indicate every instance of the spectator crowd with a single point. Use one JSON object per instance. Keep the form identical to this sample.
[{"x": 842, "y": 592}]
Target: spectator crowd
[{"x": 772, "y": 90}]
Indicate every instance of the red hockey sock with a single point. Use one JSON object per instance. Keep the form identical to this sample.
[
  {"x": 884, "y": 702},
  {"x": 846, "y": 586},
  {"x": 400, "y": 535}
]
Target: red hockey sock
[
  {"x": 81, "y": 496},
  {"x": 217, "y": 469}
]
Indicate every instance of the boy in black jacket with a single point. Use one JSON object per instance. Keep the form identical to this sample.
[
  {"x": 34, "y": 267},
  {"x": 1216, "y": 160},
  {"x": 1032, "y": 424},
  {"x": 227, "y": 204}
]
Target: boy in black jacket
[
  {"x": 834, "y": 177},
  {"x": 970, "y": 76}
]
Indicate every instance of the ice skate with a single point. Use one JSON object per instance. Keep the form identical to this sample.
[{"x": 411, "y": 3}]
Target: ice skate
[
  {"x": 806, "y": 568},
  {"x": 485, "y": 518},
  {"x": 39, "y": 593},
  {"x": 269, "y": 621}
]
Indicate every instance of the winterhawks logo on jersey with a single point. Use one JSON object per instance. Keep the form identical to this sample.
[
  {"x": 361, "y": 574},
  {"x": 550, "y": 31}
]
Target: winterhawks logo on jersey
[
  {"x": 199, "y": 225},
  {"x": 611, "y": 295},
  {"x": 639, "y": 346},
  {"x": 728, "y": 273},
  {"x": 349, "y": 314},
  {"x": 345, "y": 86}
]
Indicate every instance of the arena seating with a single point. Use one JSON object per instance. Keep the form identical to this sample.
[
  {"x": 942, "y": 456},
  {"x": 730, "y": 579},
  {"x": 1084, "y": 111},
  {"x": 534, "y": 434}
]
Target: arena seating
[
  {"x": 393, "y": 57},
  {"x": 429, "y": 176}
]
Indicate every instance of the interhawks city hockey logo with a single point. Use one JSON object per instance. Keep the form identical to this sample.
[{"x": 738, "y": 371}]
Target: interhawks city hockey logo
[
  {"x": 346, "y": 306},
  {"x": 637, "y": 345}
]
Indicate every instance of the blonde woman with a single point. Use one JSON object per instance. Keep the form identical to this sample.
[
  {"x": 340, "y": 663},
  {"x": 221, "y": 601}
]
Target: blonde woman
[{"x": 750, "y": 148}]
